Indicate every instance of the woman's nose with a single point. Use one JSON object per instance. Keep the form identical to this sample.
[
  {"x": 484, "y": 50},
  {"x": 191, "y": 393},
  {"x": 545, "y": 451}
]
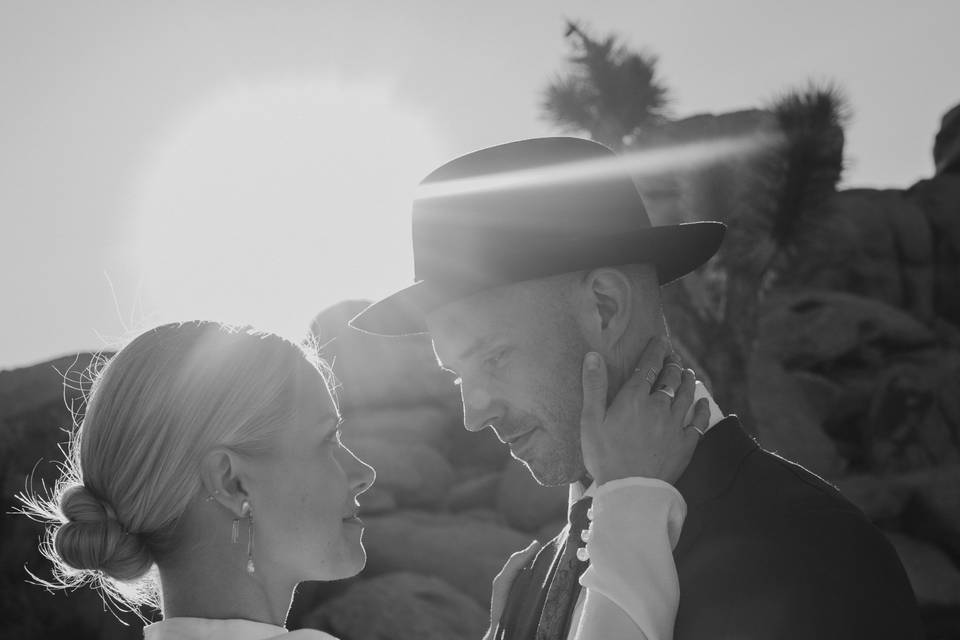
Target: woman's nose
[{"x": 361, "y": 475}]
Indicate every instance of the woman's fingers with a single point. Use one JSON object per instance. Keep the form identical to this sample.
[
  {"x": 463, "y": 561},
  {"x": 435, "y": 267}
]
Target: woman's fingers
[
  {"x": 685, "y": 393},
  {"x": 641, "y": 432},
  {"x": 701, "y": 415},
  {"x": 594, "y": 391},
  {"x": 669, "y": 380},
  {"x": 649, "y": 365},
  {"x": 505, "y": 579}
]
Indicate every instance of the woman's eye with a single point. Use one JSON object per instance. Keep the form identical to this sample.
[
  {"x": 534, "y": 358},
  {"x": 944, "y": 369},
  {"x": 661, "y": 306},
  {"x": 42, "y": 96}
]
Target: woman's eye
[{"x": 335, "y": 435}]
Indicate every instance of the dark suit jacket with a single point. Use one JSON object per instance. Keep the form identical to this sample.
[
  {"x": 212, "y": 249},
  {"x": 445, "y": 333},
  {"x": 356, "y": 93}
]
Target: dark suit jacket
[{"x": 768, "y": 550}]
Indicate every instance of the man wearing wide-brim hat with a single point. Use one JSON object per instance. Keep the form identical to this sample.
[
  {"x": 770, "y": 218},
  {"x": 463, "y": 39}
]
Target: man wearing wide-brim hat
[{"x": 530, "y": 255}]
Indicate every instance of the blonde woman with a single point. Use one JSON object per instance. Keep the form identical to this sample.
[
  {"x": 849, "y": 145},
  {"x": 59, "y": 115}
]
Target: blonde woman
[{"x": 207, "y": 478}]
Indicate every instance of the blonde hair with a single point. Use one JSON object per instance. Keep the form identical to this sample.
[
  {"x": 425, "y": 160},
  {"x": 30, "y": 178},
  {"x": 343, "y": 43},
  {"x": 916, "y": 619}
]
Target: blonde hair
[{"x": 154, "y": 411}]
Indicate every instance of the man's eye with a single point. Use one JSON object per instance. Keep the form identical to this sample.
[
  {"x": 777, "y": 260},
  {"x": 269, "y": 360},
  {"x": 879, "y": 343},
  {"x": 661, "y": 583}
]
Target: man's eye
[{"x": 494, "y": 359}]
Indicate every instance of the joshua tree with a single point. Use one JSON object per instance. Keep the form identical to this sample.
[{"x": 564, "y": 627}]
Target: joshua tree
[
  {"x": 610, "y": 93},
  {"x": 774, "y": 202},
  {"x": 776, "y": 206}
]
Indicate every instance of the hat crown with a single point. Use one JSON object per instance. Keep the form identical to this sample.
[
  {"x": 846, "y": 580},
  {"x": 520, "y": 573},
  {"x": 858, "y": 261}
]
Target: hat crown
[
  {"x": 526, "y": 210},
  {"x": 503, "y": 202}
]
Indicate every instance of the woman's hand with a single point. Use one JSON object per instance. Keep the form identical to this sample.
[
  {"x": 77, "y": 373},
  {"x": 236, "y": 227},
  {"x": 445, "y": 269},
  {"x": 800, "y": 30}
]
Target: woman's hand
[
  {"x": 504, "y": 580},
  {"x": 642, "y": 433}
]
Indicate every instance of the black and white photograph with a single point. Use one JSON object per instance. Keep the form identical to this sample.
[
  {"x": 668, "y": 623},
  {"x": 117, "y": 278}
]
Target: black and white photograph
[{"x": 512, "y": 320}]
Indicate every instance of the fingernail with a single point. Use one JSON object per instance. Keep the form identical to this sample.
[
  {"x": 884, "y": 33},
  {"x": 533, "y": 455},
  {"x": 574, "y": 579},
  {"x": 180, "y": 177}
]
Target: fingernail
[{"x": 593, "y": 361}]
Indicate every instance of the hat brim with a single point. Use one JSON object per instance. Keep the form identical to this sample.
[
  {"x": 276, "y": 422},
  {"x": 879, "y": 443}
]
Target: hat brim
[{"x": 675, "y": 251}]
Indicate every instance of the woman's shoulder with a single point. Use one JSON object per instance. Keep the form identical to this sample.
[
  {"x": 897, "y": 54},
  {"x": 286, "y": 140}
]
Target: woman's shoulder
[{"x": 234, "y": 629}]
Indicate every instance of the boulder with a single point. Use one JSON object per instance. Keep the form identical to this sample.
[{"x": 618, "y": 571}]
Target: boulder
[
  {"x": 946, "y": 146},
  {"x": 463, "y": 551},
  {"x": 937, "y": 508},
  {"x": 526, "y": 504},
  {"x": 477, "y": 449},
  {"x": 35, "y": 417},
  {"x": 681, "y": 194},
  {"x": 421, "y": 424},
  {"x": 484, "y": 514},
  {"x": 376, "y": 371},
  {"x": 400, "y": 606},
  {"x": 415, "y": 474},
  {"x": 474, "y": 492},
  {"x": 550, "y": 530},
  {"x": 879, "y": 498},
  {"x": 376, "y": 500},
  {"x": 57, "y": 383},
  {"x": 907, "y": 426},
  {"x": 935, "y": 580},
  {"x": 787, "y": 423},
  {"x": 816, "y": 329},
  {"x": 886, "y": 244},
  {"x": 939, "y": 198}
]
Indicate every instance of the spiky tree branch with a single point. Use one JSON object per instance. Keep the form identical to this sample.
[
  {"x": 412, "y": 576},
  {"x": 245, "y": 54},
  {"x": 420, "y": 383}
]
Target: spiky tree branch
[{"x": 610, "y": 92}]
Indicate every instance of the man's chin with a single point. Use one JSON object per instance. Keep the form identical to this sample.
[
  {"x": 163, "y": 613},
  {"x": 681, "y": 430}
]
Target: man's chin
[{"x": 549, "y": 475}]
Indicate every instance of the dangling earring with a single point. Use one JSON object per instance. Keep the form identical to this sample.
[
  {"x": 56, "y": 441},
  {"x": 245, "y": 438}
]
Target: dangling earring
[
  {"x": 248, "y": 511},
  {"x": 235, "y": 531}
]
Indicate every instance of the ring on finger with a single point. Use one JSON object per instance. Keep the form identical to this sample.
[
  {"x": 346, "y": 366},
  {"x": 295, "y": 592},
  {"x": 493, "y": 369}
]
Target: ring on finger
[
  {"x": 666, "y": 390},
  {"x": 674, "y": 364},
  {"x": 652, "y": 375}
]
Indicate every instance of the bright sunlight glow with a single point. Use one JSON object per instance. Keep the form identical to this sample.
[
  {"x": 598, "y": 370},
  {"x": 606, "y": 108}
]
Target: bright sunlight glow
[{"x": 268, "y": 203}]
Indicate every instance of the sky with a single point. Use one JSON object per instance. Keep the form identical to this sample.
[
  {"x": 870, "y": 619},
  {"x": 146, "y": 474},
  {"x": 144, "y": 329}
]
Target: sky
[{"x": 254, "y": 161}]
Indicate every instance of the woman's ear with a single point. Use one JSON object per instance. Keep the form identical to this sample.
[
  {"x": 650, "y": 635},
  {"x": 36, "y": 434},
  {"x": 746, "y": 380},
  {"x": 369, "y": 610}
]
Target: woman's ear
[
  {"x": 608, "y": 301},
  {"x": 220, "y": 476}
]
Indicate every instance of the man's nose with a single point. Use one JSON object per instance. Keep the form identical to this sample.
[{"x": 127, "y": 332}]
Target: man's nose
[{"x": 479, "y": 411}]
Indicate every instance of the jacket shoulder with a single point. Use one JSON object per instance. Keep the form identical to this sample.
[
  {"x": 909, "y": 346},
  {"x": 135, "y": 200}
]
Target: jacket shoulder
[{"x": 783, "y": 554}]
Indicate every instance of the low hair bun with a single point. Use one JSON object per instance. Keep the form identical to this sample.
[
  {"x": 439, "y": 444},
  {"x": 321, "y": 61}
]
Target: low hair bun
[{"x": 93, "y": 539}]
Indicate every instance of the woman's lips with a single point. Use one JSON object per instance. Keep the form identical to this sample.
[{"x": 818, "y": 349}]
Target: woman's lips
[{"x": 354, "y": 517}]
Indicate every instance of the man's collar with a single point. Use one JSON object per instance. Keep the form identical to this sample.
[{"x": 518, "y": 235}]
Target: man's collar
[{"x": 715, "y": 461}]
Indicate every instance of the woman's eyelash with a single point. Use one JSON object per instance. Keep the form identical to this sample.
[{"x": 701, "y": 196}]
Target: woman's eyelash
[{"x": 336, "y": 434}]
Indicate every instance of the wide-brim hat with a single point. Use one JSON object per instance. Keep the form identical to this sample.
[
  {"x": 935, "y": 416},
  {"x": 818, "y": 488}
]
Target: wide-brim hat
[{"x": 526, "y": 210}]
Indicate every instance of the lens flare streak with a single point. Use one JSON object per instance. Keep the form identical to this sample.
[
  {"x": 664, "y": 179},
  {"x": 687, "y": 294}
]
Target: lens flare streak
[{"x": 639, "y": 163}]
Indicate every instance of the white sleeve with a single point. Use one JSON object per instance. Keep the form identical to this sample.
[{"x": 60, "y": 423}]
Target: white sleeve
[{"x": 631, "y": 584}]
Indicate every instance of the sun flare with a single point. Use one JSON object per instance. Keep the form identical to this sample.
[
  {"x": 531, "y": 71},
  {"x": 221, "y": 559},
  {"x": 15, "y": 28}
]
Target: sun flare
[{"x": 267, "y": 203}]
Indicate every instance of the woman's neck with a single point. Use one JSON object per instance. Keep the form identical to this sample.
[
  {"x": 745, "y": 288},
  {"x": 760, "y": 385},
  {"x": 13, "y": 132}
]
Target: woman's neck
[{"x": 205, "y": 589}]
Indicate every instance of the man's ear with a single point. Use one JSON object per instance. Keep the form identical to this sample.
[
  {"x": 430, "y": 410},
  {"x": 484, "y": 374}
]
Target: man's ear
[
  {"x": 609, "y": 300},
  {"x": 220, "y": 476}
]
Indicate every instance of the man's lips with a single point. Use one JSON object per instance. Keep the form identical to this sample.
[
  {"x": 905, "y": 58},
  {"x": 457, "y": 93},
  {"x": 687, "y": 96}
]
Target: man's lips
[{"x": 516, "y": 438}]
